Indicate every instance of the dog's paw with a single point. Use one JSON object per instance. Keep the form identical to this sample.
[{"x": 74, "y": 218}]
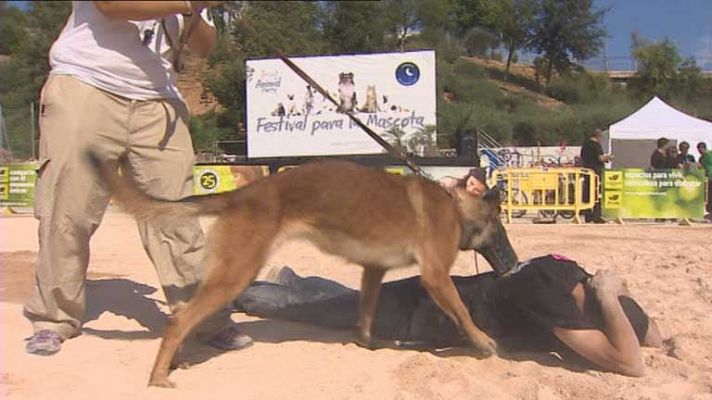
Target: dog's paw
[
  {"x": 162, "y": 382},
  {"x": 364, "y": 342},
  {"x": 180, "y": 365},
  {"x": 367, "y": 341},
  {"x": 485, "y": 348}
]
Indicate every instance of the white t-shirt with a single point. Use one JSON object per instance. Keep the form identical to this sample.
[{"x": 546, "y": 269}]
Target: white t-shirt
[{"x": 110, "y": 54}]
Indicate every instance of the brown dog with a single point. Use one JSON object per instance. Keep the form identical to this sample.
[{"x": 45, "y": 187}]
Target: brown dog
[{"x": 375, "y": 219}]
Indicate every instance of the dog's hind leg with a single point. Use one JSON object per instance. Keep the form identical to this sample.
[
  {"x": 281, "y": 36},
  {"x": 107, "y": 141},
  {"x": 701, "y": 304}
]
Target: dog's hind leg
[
  {"x": 368, "y": 302},
  {"x": 230, "y": 270},
  {"x": 441, "y": 288}
]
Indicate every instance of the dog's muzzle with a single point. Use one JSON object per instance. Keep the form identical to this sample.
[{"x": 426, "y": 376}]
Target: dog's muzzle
[{"x": 499, "y": 253}]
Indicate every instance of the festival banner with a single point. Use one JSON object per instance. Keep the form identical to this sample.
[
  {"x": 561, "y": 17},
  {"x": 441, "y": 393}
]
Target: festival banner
[
  {"x": 287, "y": 117},
  {"x": 17, "y": 185},
  {"x": 653, "y": 193}
]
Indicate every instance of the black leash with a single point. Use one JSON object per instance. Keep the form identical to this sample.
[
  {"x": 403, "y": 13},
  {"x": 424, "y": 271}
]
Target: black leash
[{"x": 402, "y": 157}]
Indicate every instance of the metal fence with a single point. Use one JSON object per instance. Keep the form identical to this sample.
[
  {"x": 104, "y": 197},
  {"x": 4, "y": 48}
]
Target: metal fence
[
  {"x": 549, "y": 192},
  {"x": 18, "y": 136}
]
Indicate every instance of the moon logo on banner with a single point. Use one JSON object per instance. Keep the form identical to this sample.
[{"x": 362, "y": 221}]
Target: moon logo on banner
[{"x": 407, "y": 74}]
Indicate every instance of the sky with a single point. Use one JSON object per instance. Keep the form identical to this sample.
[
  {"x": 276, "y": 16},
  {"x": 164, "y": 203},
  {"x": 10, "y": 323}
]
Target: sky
[{"x": 688, "y": 23}]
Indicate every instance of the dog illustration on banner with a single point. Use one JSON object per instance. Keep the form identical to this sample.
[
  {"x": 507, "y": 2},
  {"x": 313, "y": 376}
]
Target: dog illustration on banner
[
  {"x": 347, "y": 92},
  {"x": 346, "y": 98}
]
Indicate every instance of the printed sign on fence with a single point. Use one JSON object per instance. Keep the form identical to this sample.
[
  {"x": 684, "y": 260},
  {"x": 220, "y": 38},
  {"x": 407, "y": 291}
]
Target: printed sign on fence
[
  {"x": 653, "y": 193},
  {"x": 208, "y": 179},
  {"x": 392, "y": 93},
  {"x": 17, "y": 185}
]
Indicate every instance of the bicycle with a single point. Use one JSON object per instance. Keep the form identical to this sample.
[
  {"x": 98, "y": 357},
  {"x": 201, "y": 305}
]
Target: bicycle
[{"x": 518, "y": 197}]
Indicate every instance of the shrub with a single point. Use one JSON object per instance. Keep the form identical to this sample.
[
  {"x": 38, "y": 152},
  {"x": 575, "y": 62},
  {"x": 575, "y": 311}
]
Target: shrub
[{"x": 469, "y": 70}]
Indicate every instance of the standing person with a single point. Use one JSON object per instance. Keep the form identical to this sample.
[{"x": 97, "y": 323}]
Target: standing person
[
  {"x": 592, "y": 157},
  {"x": 684, "y": 157},
  {"x": 112, "y": 89},
  {"x": 706, "y": 163},
  {"x": 657, "y": 159},
  {"x": 672, "y": 158}
]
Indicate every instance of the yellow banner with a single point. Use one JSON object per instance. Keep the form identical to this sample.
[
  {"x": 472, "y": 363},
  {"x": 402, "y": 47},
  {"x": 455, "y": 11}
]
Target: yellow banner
[{"x": 209, "y": 179}]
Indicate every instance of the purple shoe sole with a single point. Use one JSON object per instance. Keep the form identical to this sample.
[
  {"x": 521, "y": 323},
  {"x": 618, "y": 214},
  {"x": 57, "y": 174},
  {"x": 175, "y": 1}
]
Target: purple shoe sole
[{"x": 44, "y": 343}]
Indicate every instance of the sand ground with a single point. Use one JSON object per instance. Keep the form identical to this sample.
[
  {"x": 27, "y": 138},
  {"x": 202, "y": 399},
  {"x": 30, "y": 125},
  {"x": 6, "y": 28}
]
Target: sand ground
[{"x": 667, "y": 268}]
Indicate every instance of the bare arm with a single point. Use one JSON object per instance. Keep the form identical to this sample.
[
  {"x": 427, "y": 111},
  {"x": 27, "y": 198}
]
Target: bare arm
[
  {"x": 615, "y": 348},
  {"x": 605, "y": 157},
  {"x": 202, "y": 36},
  {"x": 142, "y": 10}
]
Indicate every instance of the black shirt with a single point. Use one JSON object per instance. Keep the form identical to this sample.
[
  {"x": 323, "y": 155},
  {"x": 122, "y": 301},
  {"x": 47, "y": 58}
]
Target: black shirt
[
  {"x": 658, "y": 160},
  {"x": 590, "y": 153},
  {"x": 685, "y": 159}
]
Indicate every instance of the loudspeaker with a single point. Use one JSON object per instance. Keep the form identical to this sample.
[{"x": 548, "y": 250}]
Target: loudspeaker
[{"x": 468, "y": 144}]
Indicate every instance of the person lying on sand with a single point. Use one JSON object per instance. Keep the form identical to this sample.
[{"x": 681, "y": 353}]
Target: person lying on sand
[{"x": 549, "y": 304}]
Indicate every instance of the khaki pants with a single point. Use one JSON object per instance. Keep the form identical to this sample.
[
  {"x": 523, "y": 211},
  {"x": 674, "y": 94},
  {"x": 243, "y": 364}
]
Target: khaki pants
[{"x": 70, "y": 201}]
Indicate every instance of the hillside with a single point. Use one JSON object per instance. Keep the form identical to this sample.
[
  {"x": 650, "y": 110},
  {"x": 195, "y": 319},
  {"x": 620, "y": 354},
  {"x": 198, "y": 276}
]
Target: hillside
[
  {"x": 198, "y": 98},
  {"x": 201, "y": 100},
  {"x": 519, "y": 72}
]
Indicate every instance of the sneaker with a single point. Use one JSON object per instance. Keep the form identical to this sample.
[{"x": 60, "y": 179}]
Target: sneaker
[
  {"x": 230, "y": 339},
  {"x": 285, "y": 276},
  {"x": 44, "y": 342},
  {"x": 600, "y": 221}
]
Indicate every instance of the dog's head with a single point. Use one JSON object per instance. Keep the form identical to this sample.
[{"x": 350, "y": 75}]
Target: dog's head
[
  {"x": 346, "y": 78},
  {"x": 482, "y": 229}
]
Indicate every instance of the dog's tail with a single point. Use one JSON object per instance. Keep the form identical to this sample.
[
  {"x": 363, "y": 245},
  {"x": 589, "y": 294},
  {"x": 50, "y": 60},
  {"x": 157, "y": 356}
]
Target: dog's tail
[{"x": 146, "y": 208}]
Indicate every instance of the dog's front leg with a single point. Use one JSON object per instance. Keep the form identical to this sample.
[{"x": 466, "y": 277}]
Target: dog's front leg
[{"x": 368, "y": 302}]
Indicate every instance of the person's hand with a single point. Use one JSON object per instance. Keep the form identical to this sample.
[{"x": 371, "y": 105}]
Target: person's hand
[
  {"x": 198, "y": 6},
  {"x": 607, "y": 283}
]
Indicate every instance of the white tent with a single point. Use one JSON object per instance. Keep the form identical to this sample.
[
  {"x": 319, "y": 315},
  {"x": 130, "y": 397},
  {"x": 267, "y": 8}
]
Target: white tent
[{"x": 633, "y": 139}]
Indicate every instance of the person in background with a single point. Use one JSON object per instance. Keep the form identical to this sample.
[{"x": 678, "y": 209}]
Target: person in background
[
  {"x": 112, "y": 91},
  {"x": 474, "y": 182},
  {"x": 658, "y": 159},
  {"x": 706, "y": 164},
  {"x": 684, "y": 157},
  {"x": 549, "y": 303},
  {"x": 592, "y": 157},
  {"x": 671, "y": 158}
]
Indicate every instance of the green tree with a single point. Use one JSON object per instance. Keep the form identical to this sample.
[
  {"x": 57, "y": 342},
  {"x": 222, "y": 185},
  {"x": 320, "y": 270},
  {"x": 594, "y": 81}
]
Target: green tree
[
  {"x": 12, "y": 28},
  {"x": 468, "y": 14},
  {"x": 394, "y": 136},
  {"x": 690, "y": 81},
  {"x": 565, "y": 31},
  {"x": 477, "y": 41},
  {"x": 225, "y": 76},
  {"x": 513, "y": 21},
  {"x": 354, "y": 26},
  {"x": 29, "y": 39},
  {"x": 404, "y": 18},
  {"x": 290, "y": 26},
  {"x": 422, "y": 142},
  {"x": 401, "y": 19},
  {"x": 657, "y": 64}
]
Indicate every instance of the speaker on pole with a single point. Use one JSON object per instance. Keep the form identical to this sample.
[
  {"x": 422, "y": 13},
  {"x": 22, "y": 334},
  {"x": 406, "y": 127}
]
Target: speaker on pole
[{"x": 467, "y": 148}]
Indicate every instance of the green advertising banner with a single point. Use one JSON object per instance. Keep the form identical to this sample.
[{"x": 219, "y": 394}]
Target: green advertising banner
[
  {"x": 653, "y": 193},
  {"x": 17, "y": 185}
]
